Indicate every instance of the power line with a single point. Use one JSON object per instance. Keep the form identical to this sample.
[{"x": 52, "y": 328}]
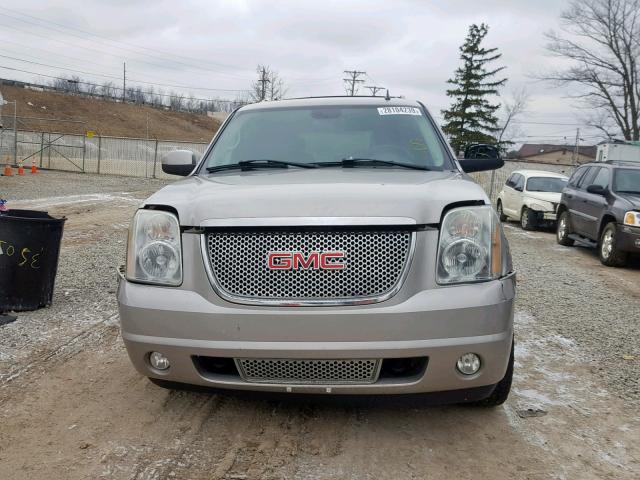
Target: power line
[
  {"x": 353, "y": 80},
  {"x": 374, "y": 89},
  {"x": 65, "y": 31},
  {"x": 112, "y": 86},
  {"x": 84, "y": 72}
]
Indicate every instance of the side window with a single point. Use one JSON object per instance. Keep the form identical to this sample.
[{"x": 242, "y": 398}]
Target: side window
[
  {"x": 511, "y": 180},
  {"x": 601, "y": 178},
  {"x": 586, "y": 178},
  {"x": 577, "y": 175},
  {"x": 519, "y": 183}
]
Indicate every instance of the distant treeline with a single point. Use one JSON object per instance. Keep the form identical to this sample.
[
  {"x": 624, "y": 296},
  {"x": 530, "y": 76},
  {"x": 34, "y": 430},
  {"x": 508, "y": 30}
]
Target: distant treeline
[{"x": 149, "y": 96}]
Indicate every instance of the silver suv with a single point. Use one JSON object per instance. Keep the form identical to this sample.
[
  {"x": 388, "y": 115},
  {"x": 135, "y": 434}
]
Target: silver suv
[{"x": 324, "y": 245}]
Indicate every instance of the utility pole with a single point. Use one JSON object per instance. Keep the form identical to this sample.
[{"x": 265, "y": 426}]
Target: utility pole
[
  {"x": 576, "y": 152},
  {"x": 124, "y": 81},
  {"x": 264, "y": 79},
  {"x": 353, "y": 80},
  {"x": 373, "y": 90}
]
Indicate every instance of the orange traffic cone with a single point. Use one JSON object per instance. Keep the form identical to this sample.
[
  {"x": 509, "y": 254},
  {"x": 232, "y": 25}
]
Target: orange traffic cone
[
  {"x": 20, "y": 169},
  {"x": 8, "y": 171},
  {"x": 33, "y": 167}
]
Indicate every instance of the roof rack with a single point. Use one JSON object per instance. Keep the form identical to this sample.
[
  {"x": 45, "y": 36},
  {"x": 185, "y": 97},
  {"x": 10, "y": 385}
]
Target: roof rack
[
  {"x": 386, "y": 97},
  {"x": 623, "y": 162}
]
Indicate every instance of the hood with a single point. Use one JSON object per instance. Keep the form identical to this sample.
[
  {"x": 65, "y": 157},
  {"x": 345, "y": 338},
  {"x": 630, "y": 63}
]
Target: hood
[
  {"x": 632, "y": 198},
  {"x": 545, "y": 196},
  {"x": 326, "y": 192}
]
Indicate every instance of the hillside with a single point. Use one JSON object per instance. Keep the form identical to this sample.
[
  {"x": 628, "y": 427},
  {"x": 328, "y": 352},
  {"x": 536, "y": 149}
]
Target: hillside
[{"x": 104, "y": 117}]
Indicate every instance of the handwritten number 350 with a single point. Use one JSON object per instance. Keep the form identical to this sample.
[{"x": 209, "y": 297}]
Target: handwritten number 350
[{"x": 32, "y": 261}]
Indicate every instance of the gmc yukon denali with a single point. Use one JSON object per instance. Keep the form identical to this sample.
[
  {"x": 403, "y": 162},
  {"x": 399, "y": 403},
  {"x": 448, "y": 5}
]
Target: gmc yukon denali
[{"x": 327, "y": 246}]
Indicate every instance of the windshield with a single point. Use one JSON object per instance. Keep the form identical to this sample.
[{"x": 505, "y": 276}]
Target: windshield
[
  {"x": 546, "y": 184},
  {"x": 627, "y": 180},
  {"x": 330, "y": 134}
]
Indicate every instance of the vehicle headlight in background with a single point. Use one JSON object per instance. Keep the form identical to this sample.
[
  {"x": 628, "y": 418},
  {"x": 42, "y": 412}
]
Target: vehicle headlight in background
[
  {"x": 470, "y": 246},
  {"x": 632, "y": 218},
  {"x": 154, "y": 251},
  {"x": 542, "y": 206}
]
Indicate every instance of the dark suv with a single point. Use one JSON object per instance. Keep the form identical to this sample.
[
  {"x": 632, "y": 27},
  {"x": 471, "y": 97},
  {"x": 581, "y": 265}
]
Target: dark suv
[{"x": 600, "y": 206}]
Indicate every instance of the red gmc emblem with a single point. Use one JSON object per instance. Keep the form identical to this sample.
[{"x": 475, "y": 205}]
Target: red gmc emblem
[{"x": 298, "y": 260}]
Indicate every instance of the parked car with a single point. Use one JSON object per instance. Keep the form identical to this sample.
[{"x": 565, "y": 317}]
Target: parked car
[
  {"x": 531, "y": 196},
  {"x": 600, "y": 206},
  {"x": 325, "y": 245}
]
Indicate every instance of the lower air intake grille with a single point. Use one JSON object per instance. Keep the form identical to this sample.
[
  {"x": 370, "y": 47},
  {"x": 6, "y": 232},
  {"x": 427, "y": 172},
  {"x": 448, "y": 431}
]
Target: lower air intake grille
[{"x": 352, "y": 371}]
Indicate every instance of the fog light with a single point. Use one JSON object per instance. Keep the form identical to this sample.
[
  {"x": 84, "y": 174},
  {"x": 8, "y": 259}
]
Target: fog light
[
  {"x": 158, "y": 361},
  {"x": 468, "y": 364}
]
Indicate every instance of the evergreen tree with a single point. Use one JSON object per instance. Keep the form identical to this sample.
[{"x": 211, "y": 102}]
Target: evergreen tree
[{"x": 471, "y": 118}]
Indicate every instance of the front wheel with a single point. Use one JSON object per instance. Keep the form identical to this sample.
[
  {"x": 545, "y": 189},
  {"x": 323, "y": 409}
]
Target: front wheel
[
  {"x": 528, "y": 219},
  {"x": 563, "y": 230},
  {"x": 501, "y": 215},
  {"x": 501, "y": 392},
  {"x": 608, "y": 252}
]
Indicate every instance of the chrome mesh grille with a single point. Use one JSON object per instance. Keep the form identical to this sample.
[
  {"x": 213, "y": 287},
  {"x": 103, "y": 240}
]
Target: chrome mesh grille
[
  {"x": 353, "y": 371},
  {"x": 374, "y": 264}
]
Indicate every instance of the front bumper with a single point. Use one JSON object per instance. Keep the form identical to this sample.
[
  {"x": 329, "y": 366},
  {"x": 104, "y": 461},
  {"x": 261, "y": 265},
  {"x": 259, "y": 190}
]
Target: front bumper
[
  {"x": 628, "y": 238},
  {"x": 440, "y": 324}
]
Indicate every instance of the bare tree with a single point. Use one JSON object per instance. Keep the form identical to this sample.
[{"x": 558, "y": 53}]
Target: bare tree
[
  {"x": 90, "y": 89},
  {"x": 602, "y": 39},
  {"x": 108, "y": 90},
  {"x": 176, "y": 101},
  {"x": 512, "y": 108},
  {"x": 268, "y": 86}
]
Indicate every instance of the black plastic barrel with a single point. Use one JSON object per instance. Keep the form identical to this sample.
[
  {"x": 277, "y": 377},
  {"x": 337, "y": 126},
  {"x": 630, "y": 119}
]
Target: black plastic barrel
[{"x": 29, "y": 250}]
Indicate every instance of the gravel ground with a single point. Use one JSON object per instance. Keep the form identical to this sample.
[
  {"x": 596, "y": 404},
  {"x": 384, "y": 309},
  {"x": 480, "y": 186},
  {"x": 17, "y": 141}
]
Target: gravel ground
[
  {"x": 51, "y": 183},
  {"x": 70, "y": 398},
  {"x": 573, "y": 295}
]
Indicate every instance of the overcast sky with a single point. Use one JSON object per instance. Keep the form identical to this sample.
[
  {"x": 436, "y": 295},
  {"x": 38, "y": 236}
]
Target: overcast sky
[{"x": 410, "y": 47}]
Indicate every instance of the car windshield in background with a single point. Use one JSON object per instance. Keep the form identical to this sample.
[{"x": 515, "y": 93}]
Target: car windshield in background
[
  {"x": 317, "y": 135},
  {"x": 627, "y": 180},
  {"x": 546, "y": 184}
]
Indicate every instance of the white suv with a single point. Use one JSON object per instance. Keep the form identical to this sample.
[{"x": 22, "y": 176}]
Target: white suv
[{"x": 531, "y": 196}]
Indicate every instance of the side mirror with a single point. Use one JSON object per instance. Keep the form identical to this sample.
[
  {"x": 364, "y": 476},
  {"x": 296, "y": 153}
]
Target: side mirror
[
  {"x": 179, "y": 162},
  {"x": 597, "y": 189},
  {"x": 480, "y": 157},
  {"x": 518, "y": 189}
]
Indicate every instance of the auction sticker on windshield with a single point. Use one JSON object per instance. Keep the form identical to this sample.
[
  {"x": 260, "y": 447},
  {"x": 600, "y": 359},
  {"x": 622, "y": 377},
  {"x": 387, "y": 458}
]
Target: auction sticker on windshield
[{"x": 399, "y": 111}]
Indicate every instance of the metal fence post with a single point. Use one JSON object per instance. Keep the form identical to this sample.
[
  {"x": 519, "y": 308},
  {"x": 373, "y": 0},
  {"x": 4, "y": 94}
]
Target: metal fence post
[
  {"x": 99, "y": 151},
  {"x": 493, "y": 179},
  {"x": 48, "y": 149},
  {"x": 15, "y": 132},
  {"x": 41, "y": 147},
  {"x": 155, "y": 158},
  {"x": 84, "y": 150}
]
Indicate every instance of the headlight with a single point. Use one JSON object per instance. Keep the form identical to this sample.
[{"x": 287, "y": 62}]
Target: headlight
[
  {"x": 541, "y": 206},
  {"x": 632, "y": 218},
  {"x": 154, "y": 251},
  {"x": 470, "y": 247}
]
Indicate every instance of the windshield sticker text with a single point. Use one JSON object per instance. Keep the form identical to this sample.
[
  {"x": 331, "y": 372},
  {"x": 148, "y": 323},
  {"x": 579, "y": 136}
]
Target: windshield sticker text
[{"x": 399, "y": 111}]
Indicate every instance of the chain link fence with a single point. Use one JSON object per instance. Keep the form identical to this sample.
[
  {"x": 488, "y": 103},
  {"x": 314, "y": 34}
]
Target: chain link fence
[
  {"x": 492, "y": 181},
  {"x": 138, "y": 157},
  {"x": 132, "y": 157}
]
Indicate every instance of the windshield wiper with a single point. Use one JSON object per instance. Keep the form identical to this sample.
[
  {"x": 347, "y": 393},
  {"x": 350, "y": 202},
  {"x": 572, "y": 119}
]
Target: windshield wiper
[
  {"x": 258, "y": 163},
  {"x": 351, "y": 162},
  {"x": 627, "y": 191}
]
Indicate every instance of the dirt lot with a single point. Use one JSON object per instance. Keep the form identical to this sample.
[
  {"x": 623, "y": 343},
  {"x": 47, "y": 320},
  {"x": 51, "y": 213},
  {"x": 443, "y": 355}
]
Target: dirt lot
[
  {"x": 106, "y": 118},
  {"x": 72, "y": 407}
]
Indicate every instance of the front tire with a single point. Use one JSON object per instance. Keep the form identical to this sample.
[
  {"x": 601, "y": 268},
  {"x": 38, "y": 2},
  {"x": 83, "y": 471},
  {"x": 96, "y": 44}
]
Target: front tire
[
  {"x": 528, "y": 219},
  {"x": 563, "y": 230},
  {"x": 501, "y": 215},
  {"x": 501, "y": 392},
  {"x": 608, "y": 252}
]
